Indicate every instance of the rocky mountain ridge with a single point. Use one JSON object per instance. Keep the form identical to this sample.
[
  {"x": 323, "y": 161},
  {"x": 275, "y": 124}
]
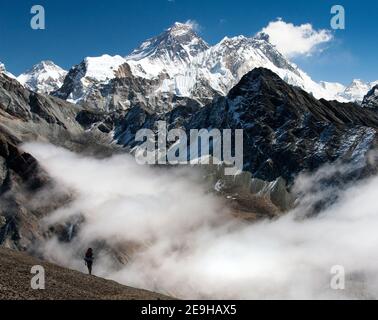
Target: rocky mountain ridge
[
  {"x": 286, "y": 130},
  {"x": 371, "y": 99},
  {"x": 179, "y": 65}
]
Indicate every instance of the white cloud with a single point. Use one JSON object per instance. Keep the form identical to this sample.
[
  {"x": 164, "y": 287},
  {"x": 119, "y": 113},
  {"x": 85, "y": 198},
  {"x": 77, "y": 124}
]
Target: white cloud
[
  {"x": 194, "y": 25},
  {"x": 190, "y": 246},
  {"x": 292, "y": 40}
]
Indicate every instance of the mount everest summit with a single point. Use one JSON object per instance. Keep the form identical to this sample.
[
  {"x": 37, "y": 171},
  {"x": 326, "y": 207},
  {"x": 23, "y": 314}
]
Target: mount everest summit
[{"x": 174, "y": 68}]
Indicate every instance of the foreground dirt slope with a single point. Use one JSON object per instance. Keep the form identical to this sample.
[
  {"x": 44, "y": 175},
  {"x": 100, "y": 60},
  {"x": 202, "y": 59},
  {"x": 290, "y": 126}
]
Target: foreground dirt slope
[{"x": 61, "y": 283}]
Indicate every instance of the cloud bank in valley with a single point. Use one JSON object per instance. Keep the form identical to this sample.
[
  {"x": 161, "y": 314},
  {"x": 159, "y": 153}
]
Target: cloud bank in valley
[{"x": 179, "y": 239}]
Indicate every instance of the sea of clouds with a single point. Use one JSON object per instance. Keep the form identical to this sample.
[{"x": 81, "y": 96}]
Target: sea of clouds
[{"x": 180, "y": 239}]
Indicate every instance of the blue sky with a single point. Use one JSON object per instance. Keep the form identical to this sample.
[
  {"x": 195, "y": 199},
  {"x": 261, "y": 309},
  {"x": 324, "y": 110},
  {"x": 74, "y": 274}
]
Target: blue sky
[{"x": 80, "y": 28}]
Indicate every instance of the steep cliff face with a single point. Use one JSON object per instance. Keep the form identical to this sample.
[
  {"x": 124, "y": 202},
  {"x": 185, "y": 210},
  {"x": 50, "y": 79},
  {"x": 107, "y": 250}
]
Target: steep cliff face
[{"x": 20, "y": 178}]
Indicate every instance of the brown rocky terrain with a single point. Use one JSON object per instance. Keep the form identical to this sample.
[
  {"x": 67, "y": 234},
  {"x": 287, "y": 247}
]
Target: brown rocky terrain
[{"x": 61, "y": 283}]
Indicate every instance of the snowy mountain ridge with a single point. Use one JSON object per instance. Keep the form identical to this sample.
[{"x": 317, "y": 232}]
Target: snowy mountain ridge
[
  {"x": 179, "y": 63},
  {"x": 4, "y": 71},
  {"x": 43, "y": 77},
  {"x": 181, "y": 54},
  {"x": 225, "y": 63},
  {"x": 357, "y": 90}
]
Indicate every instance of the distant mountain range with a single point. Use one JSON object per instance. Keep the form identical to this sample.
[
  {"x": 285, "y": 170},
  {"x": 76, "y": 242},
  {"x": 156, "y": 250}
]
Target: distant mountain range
[{"x": 174, "y": 68}]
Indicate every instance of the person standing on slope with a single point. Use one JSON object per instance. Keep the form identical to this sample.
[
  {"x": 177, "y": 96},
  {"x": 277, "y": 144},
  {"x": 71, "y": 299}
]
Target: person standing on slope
[{"x": 89, "y": 260}]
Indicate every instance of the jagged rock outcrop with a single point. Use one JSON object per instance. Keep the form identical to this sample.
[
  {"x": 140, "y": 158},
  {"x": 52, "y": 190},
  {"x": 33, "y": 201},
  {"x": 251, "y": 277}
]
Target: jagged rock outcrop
[
  {"x": 371, "y": 99},
  {"x": 20, "y": 178}
]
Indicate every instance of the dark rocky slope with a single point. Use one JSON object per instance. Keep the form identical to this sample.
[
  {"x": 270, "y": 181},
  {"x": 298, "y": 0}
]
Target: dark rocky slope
[{"x": 286, "y": 130}]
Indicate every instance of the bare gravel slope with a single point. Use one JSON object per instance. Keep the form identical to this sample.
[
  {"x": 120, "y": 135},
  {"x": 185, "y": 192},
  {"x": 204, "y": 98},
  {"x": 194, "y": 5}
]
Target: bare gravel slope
[{"x": 61, "y": 283}]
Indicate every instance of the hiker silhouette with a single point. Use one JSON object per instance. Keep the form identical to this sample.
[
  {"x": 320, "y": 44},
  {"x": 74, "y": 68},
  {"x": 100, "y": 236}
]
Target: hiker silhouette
[{"x": 89, "y": 260}]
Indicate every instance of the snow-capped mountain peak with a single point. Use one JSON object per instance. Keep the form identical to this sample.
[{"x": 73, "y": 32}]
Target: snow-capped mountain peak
[
  {"x": 179, "y": 29},
  {"x": 43, "y": 77},
  {"x": 241, "y": 54},
  {"x": 3, "y": 70},
  {"x": 44, "y": 65},
  {"x": 178, "y": 63},
  {"x": 185, "y": 60},
  {"x": 356, "y": 91},
  {"x": 82, "y": 80},
  {"x": 172, "y": 53},
  {"x": 179, "y": 42}
]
